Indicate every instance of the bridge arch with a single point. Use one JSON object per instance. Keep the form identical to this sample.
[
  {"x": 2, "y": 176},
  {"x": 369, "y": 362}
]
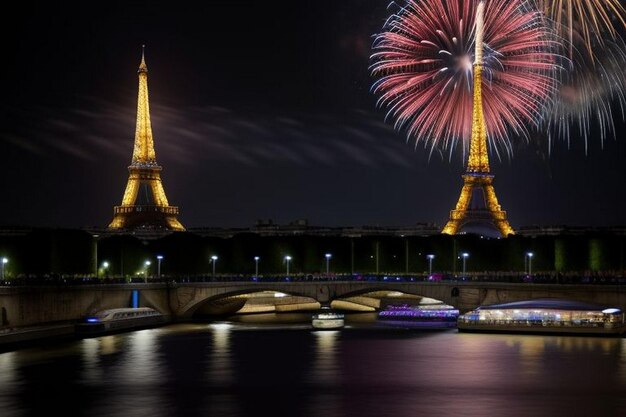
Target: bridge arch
[
  {"x": 188, "y": 300},
  {"x": 378, "y": 297},
  {"x": 230, "y": 300}
]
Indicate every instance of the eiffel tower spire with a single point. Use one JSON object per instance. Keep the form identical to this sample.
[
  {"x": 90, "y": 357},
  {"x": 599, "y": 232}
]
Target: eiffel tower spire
[
  {"x": 154, "y": 210},
  {"x": 143, "y": 153},
  {"x": 478, "y": 180}
]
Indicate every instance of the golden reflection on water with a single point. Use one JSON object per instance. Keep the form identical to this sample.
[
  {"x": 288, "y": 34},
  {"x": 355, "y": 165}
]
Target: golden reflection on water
[
  {"x": 325, "y": 373},
  {"x": 92, "y": 372},
  {"x": 142, "y": 353},
  {"x": 325, "y": 369},
  {"x": 220, "y": 368},
  {"x": 109, "y": 345},
  {"x": 7, "y": 369},
  {"x": 622, "y": 360},
  {"x": 219, "y": 360},
  {"x": 138, "y": 367},
  {"x": 8, "y": 382},
  {"x": 534, "y": 350},
  {"x": 536, "y": 345}
]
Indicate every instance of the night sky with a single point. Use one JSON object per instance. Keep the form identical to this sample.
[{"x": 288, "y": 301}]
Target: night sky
[{"x": 260, "y": 110}]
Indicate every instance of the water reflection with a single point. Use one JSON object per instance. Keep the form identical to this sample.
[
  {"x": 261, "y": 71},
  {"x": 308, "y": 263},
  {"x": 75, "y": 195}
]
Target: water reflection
[
  {"x": 7, "y": 365},
  {"x": 92, "y": 370},
  {"x": 8, "y": 383},
  {"x": 325, "y": 370},
  {"x": 219, "y": 369},
  {"x": 535, "y": 345},
  {"x": 247, "y": 369},
  {"x": 141, "y": 364},
  {"x": 325, "y": 374},
  {"x": 126, "y": 372},
  {"x": 220, "y": 372},
  {"x": 93, "y": 352}
]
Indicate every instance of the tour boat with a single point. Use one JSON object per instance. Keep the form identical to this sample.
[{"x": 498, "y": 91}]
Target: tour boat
[
  {"x": 437, "y": 316},
  {"x": 544, "y": 316},
  {"x": 327, "y": 320},
  {"x": 119, "y": 319}
]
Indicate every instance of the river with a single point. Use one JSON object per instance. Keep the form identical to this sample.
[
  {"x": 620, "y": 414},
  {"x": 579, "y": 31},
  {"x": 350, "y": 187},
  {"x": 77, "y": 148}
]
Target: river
[{"x": 268, "y": 365}]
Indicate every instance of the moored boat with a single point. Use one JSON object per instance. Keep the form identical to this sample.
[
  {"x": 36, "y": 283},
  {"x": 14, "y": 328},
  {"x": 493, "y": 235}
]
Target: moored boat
[
  {"x": 328, "y": 320},
  {"x": 437, "y": 316},
  {"x": 544, "y": 316},
  {"x": 119, "y": 319}
]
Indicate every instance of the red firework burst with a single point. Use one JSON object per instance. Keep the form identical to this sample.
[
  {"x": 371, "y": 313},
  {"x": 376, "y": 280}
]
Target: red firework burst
[{"x": 423, "y": 61}]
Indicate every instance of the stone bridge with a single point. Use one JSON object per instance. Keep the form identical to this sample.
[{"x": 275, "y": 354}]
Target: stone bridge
[
  {"x": 21, "y": 306},
  {"x": 185, "y": 299}
]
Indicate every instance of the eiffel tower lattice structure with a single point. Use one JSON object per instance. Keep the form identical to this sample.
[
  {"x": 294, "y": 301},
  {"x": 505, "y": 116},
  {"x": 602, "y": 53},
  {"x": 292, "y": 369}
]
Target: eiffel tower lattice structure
[
  {"x": 478, "y": 202},
  {"x": 144, "y": 204}
]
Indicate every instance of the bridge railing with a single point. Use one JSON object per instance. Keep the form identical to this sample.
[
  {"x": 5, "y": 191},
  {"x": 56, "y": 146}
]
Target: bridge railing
[{"x": 504, "y": 277}]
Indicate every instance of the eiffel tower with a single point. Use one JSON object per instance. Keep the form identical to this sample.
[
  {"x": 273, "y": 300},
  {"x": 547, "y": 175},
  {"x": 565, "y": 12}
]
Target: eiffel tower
[
  {"x": 478, "y": 202},
  {"x": 144, "y": 204}
]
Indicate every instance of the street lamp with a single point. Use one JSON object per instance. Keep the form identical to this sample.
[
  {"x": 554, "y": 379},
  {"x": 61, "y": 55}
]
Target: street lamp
[
  {"x": 256, "y": 267},
  {"x": 159, "y": 259},
  {"x": 464, "y": 255},
  {"x": 95, "y": 237},
  {"x": 530, "y": 255},
  {"x": 4, "y": 262},
  {"x": 328, "y": 256},
  {"x": 430, "y": 263},
  {"x": 287, "y": 260},
  {"x": 147, "y": 263},
  {"x": 105, "y": 267},
  {"x": 213, "y": 261}
]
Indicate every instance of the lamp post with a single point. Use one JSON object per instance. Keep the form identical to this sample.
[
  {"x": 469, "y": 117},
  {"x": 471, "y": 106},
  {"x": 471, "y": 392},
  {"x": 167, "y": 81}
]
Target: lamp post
[
  {"x": 95, "y": 250},
  {"x": 430, "y": 257},
  {"x": 159, "y": 259},
  {"x": 287, "y": 260},
  {"x": 530, "y": 255},
  {"x": 328, "y": 256},
  {"x": 105, "y": 267},
  {"x": 2, "y": 264},
  {"x": 256, "y": 267},
  {"x": 147, "y": 264},
  {"x": 465, "y": 256},
  {"x": 213, "y": 261}
]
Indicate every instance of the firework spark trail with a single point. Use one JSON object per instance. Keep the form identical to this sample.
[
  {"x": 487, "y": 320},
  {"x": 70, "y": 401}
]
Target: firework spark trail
[
  {"x": 423, "y": 61},
  {"x": 585, "y": 21},
  {"x": 594, "y": 79},
  {"x": 589, "y": 91}
]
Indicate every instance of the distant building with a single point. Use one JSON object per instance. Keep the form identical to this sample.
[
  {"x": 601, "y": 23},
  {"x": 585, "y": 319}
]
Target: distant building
[
  {"x": 557, "y": 230},
  {"x": 302, "y": 227}
]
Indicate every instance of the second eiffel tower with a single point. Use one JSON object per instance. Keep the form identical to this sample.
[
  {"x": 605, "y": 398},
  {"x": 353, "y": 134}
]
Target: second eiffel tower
[{"x": 478, "y": 202}]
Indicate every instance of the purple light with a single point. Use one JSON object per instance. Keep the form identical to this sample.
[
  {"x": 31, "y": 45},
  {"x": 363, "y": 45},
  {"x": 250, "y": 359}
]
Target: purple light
[
  {"x": 407, "y": 311},
  {"x": 92, "y": 320}
]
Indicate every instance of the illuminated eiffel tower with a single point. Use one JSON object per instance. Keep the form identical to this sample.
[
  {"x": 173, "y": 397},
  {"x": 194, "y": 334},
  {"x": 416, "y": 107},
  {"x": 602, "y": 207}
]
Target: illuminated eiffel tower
[
  {"x": 478, "y": 202},
  {"x": 144, "y": 204}
]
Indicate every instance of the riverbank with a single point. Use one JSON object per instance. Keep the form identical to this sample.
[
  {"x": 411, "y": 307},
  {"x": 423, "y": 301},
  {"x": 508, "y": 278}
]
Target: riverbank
[
  {"x": 12, "y": 338},
  {"x": 15, "y": 337}
]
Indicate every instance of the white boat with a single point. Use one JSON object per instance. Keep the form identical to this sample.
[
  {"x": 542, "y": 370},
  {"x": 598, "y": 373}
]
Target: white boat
[
  {"x": 119, "y": 319},
  {"x": 545, "y": 316},
  {"x": 328, "y": 320}
]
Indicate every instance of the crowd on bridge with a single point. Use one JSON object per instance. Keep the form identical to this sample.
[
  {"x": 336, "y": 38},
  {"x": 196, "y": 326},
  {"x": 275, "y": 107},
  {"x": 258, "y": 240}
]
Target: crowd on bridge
[{"x": 540, "y": 277}]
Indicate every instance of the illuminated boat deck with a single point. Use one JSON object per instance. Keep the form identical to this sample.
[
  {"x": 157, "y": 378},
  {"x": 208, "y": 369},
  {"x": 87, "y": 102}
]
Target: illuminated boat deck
[
  {"x": 438, "y": 316},
  {"x": 544, "y": 315},
  {"x": 438, "y": 312}
]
